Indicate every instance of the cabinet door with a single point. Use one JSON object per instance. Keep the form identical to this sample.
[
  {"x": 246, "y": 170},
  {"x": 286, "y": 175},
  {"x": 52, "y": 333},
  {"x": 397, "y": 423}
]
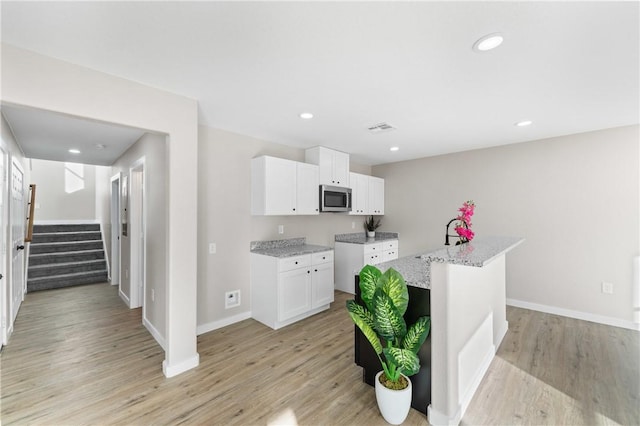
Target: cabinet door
[
  {"x": 376, "y": 195},
  {"x": 307, "y": 189},
  {"x": 373, "y": 258},
  {"x": 294, "y": 293},
  {"x": 341, "y": 168},
  {"x": 273, "y": 186},
  {"x": 359, "y": 193},
  {"x": 322, "y": 284},
  {"x": 325, "y": 164}
]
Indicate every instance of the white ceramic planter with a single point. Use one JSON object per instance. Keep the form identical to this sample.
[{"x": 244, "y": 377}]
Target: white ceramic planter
[
  {"x": 371, "y": 234},
  {"x": 394, "y": 405}
]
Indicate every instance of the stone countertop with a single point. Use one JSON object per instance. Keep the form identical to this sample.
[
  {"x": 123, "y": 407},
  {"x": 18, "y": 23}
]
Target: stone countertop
[
  {"x": 416, "y": 269},
  {"x": 479, "y": 252},
  {"x": 361, "y": 237},
  {"x": 286, "y": 248}
]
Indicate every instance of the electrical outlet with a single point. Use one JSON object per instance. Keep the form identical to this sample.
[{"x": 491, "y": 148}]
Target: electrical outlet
[
  {"x": 126, "y": 273},
  {"x": 353, "y": 225},
  {"x": 607, "y": 288},
  {"x": 212, "y": 248},
  {"x": 153, "y": 295},
  {"x": 280, "y": 229},
  {"x": 232, "y": 299}
]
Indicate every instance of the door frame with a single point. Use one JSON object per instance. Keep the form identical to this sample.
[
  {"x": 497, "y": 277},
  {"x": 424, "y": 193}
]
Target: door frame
[
  {"x": 4, "y": 289},
  {"x": 138, "y": 224},
  {"x": 114, "y": 273}
]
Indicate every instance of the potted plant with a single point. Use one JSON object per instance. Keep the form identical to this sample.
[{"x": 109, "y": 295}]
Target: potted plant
[
  {"x": 381, "y": 320},
  {"x": 370, "y": 225}
]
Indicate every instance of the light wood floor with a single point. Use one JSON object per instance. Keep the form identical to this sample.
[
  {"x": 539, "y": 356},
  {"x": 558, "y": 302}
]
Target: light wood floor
[{"x": 79, "y": 356}]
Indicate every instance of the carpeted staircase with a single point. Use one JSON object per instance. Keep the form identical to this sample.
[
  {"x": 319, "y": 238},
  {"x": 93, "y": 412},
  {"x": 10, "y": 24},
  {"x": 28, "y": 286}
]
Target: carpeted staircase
[{"x": 65, "y": 255}]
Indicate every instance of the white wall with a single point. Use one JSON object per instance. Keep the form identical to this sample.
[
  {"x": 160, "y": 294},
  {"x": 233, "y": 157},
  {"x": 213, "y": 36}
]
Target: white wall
[
  {"x": 574, "y": 198},
  {"x": 53, "y": 202},
  {"x": 153, "y": 148},
  {"x": 33, "y": 80},
  {"x": 224, "y": 218}
]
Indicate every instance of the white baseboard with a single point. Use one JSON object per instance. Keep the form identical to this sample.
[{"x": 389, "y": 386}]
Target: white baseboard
[
  {"x": 180, "y": 367},
  {"x": 214, "y": 325},
  {"x": 154, "y": 332},
  {"x": 124, "y": 298},
  {"x": 600, "y": 319},
  {"x": 435, "y": 417}
]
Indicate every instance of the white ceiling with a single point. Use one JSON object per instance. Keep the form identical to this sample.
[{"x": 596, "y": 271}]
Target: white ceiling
[
  {"x": 49, "y": 136},
  {"x": 254, "y": 66}
]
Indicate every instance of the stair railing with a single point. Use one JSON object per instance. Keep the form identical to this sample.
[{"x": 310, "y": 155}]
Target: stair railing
[{"x": 32, "y": 202}]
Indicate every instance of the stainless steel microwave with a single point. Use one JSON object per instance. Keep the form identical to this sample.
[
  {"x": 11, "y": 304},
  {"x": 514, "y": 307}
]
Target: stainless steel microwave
[{"x": 335, "y": 199}]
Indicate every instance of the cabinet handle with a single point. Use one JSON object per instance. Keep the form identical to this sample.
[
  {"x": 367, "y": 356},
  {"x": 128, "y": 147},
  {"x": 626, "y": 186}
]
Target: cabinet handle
[
  {"x": 315, "y": 270},
  {"x": 308, "y": 272},
  {"x": 294, "y": 209},
  {"x": 296, "y": 262}
]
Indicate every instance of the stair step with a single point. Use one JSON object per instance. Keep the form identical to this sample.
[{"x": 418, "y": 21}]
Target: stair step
[
  {"x": 65, "y": 256},
  {"x": 67, "y": 268},
  {"x": 66, "y": 280},
  {"x": 75, "y": 227},
  {"x": 42, "y": 248},
  {"x": 55, "y": 237}
]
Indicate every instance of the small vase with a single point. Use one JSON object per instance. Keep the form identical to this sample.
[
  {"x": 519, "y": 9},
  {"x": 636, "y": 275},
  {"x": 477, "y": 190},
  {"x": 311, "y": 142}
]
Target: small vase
[
  {"x": 394, "y": 405},
  {"x": 371, "y": 234}
]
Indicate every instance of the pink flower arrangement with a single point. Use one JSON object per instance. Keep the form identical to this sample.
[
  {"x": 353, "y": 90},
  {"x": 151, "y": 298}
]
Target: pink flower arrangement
[{"x": 464, "y": 218}]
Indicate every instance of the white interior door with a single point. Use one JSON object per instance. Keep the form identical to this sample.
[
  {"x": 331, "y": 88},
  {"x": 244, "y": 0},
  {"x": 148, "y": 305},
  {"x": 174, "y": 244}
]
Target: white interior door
[
  {"x": 115, "y": 230},
  {"x": 17, "y": 219},
  {"x": 138, "y": 232},
  {"x": 4, "y": 289}
]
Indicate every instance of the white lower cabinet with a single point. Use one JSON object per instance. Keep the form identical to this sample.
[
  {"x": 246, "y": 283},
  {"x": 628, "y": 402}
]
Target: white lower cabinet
[
  {"x": 351, "y": 258},
  {"x": 286, "y": 290}
]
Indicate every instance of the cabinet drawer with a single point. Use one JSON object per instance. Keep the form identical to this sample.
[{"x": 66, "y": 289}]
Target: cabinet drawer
[
  {"x": 294, "y": 262},
  {"x": 373, "y": 248},
  {"x": 390, "y": 255},
  {"x": 323, "y": 257},
  {"x": 390, "y": 245},
  {"x": 373, "y": 258}
]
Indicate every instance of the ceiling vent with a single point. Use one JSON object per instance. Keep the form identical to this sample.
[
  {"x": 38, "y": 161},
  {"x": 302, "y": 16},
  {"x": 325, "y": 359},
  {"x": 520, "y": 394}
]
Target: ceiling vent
[{"x": 381, "y": 127}]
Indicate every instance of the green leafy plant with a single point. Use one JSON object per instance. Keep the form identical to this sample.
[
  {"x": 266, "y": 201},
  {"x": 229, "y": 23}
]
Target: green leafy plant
[
  {"x": 370, "y": 224},
  {"x": 381, "y": 320}
]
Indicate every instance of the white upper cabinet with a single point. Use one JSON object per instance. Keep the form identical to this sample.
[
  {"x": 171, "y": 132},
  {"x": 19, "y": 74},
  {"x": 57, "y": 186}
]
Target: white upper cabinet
[
  {"x": 367, "y": 193},
  {"x": 307, "y": 183},
  {"x": 376, "y": 195},
  {"x": 359, "y": 193},
  {"x": 283, "y": 187},
  {"x": 334, "y": 165}
]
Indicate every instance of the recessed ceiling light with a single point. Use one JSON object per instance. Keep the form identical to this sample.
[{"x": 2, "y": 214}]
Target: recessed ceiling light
[
  {"x": 394, "y": 148},
  {"x": 306, "y": 116},
  {"x": 74, "y": 151},
  {"x": 488, "y": 42},
  {"x": 524, "y": 123}
]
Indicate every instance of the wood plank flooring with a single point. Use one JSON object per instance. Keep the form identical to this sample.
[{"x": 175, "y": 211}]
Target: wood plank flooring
[{"x": 80, "y": 356}]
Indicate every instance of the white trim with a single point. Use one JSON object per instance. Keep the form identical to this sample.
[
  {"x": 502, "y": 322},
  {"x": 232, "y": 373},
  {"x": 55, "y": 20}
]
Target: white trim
[
  {"x": 435, "y": 417},
  {"x": 137, "y": 216},
  {"x": 154, "y": 332},
  {"x": 214, "y": 325},
  {"x": 104, "y": 250},
  {"x": 181, "y": 367},
  {"x": 116, "y": 229},
  {"x": 585, "y": 316},
  {"x": 124, "y": 298},
  {"x": 67, "y": 222}
]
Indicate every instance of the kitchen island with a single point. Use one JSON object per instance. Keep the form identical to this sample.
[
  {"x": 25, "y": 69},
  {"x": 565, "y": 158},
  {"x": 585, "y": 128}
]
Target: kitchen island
[{"x": 463, "y": 290}]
